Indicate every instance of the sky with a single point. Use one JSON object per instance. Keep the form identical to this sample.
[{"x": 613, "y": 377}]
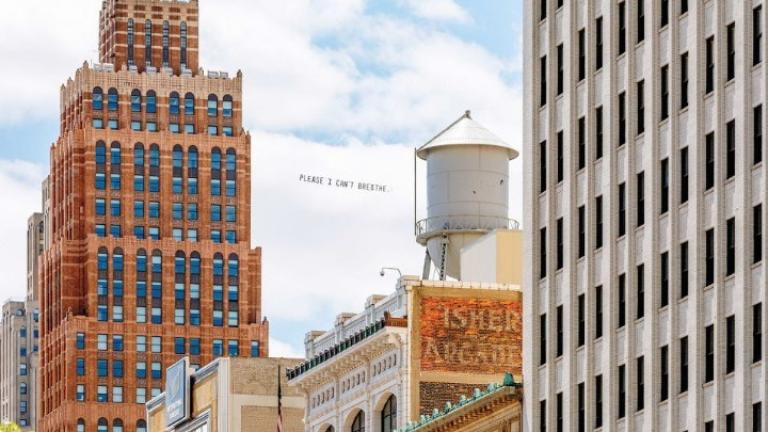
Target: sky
[{"x": 333, "y": 88}]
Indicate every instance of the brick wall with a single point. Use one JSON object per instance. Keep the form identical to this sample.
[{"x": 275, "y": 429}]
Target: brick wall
[{"x": 435, "y": 395}]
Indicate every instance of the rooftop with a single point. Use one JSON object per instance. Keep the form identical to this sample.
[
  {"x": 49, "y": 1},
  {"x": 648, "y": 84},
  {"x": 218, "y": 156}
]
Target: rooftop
[{"x": 465, "y": 132}]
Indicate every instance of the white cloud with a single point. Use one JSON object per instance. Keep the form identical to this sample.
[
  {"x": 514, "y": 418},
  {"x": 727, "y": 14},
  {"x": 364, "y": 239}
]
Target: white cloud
[
  {"x": 278, "y": 348},
  {"x": 20, "y": 182},
  {"x": 443, "y": 10}
]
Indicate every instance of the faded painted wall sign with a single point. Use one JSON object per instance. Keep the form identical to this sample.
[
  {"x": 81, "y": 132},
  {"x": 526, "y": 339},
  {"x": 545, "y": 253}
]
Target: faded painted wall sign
[
  {"x": 343, "y": 183},
  {"x": 480, "y": 336}
]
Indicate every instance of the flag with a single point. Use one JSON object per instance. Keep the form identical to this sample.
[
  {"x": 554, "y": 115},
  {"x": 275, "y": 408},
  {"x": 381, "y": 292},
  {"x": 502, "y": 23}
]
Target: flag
[{"x": 279, "y": 402}]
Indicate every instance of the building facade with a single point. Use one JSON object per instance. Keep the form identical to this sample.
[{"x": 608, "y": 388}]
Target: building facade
[
  {"x": 409, "y": 354},
  {"x": 16, "y": 347},
  {"x": 235, "y": 395},
  {"x": 646, "y": 191},
  {"x": 148, "y": 203}
]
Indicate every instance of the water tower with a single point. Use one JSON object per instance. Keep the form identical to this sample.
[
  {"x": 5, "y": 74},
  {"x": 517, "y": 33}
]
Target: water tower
[{"x": 467, "y": 192}]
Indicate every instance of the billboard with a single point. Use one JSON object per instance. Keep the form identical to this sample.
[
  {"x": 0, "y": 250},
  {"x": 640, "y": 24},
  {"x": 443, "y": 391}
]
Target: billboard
[{"x": 177, "y": 389}]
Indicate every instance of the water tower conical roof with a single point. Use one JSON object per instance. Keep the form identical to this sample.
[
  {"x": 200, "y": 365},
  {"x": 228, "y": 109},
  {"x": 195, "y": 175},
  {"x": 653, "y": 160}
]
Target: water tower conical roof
[{"x": 465, "y": 131}]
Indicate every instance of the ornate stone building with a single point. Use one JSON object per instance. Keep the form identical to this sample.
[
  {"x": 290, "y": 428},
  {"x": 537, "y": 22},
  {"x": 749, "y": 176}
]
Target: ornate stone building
[{"x": 149, "y": 255}]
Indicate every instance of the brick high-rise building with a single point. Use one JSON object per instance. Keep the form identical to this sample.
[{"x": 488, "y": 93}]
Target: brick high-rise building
[
  {"x": 149, "y": 223},
  {"x": 646, "y": 193}
]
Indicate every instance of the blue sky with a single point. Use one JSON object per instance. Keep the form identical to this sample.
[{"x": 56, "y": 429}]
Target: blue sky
[{"x": 336, "y": 87}]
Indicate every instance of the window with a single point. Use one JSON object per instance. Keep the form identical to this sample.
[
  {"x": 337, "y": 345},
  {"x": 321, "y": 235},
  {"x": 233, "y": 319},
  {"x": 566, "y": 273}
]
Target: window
[
  {"x": 731, "y": 149},
  {"x": 757, "y": 35},
  {"x": 101, "y": 394},
  {"x": 80, "y": 341},
  {"x": 684, "y": 270},
  {"x": 80, "y": 366},
  {"x": 710, "y": 161},
  {"x": 683, "y": 364},
  {"x": 664, "y": 12},
  {"x": 560, "y": 69},
  {"x": 757, "y": 333},
  {"x": 98, "y": 123},
  {"x": 560, "y": 246},
  {"x": 622, "y": 27},
  {"x": 582, "y": 323},
  {"x": 358, "y": 424},
  {"x": 233, "y": 349},
  {"x": 135, "y": 101},
  {"x": 757, "y": 417},
  {"x": 560, "y": 157},
  {"x": 709, "y": 426},
  {"x": 102, "y": 367},
  {"x": 113, "y": 124},
  {"x": 709, "y": 353},
  {"x": 117, "y": 368},
  {"x": 231, "y": 236},
  {"x": 112, "y": 99},
  {"x": 622, "y": 391},
  {"x": 543, "y": 79},
  {"x": 581, "y": 396},
  {"x": 216, "y": 213},
  {"x": 730, "y": 344},
  {"x": 710, "y": 65},
  {"x": 255, "y": 349},
  {"x": 664, "y": 283},
  {"x": 598, "y": 133},
  {"x": 141, "y": 369},
  {"x": 683, "y": 80},
  {"x": 622, "y": 300},
  {"x": 640, "y": 107},
  {"x": 560, "y": 331},
  {"x": 664, "y": 359},
  {"x": 709, "y": 250},
  {"x": 97, "y": 99},
  {"x": 389, "y": 415},
  {"x": 683, "y": 7},
  {"x": 598, "y": 401},
  {"x": 543, "y": 9},
  {"x": 559, "y": 412},
  {"x": 640, "y": 21},
  {"x": 231, "y": 213},
  {"x": 213, "y": 130},
  {"x": 543, "y": 166},
  {"x": 101, "y": 207},
  {"x": 731, "y": 46},
  {"x": 179, "y": 345},
  {"x": 598, "y": 43},
  {"x": 582, "y": 54},
  {"x": 640, "y": 291},
  {"x": 543, "y": 340},
  {"x": 730, "y": 262},
  {"x": 101, "y": 342},
  {"x": 157, "y": 370},
  {"x": 178, "y": 211},
  {"x": 213, "y": 105},
  {"x": 227, "y": 131},
  {"x": 226, "y": 107},
  {"x": 730, "y": 422},
  {"x": 194, "y": 346},
  {"x": 598, "y": 222},
  {"x": 543, "y": 253},
  {"x": 640, "y": 383},
  {"x": 218, "y": 348},
  {"x": 622, "y": 118},
  {"x": 189, "y": 128},
  {"x": 189, "y": 104},
  {"x": 80, "y": 393},
  {"x": 582, "y": 231},
  {"x": 114, "y": 208},
  {"x": 582, "y": 142},
  {"x": 598, "y": 312},
  {"x": 141, "y": 344},
  {"x": 157, "y": 344},
  {"x": 665, "y": 92},
  {"x": 622, "y": 209},
  {"x": 684, "y": 175},
  {"x": 757, "y": 133},
  {"x": 154, "y": 209}
]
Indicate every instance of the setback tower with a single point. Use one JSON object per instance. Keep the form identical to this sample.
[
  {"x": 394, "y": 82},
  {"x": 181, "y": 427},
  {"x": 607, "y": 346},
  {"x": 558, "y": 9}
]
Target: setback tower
[{"x": 149, "y": 256}]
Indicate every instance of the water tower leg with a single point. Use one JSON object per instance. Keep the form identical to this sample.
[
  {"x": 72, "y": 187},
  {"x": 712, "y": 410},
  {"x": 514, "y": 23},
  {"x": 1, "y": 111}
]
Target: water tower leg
[{"x": 427, "y": 266}]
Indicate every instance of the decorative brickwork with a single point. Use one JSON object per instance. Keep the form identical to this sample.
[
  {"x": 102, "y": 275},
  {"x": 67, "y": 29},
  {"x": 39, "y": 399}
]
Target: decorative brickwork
[
  {"x": 435, "y": 395},
  {"x": 471, "y": 335}
]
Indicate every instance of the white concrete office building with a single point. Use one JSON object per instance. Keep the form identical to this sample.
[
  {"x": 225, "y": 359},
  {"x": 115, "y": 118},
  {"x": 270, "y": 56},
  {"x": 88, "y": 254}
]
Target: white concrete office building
[{"x": 646, "y": 191}]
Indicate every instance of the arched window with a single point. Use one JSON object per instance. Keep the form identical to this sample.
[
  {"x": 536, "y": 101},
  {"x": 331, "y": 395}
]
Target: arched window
[
  {"x": 166, "y": 43},
  {"x": 330, "y": 429},
  {"x": 178, "y": 156},
  {"x": 81, "y": 425},
  {"x": 117, "y": 425},
  {"x": 112, "y": 99},
  {"x": 174, "y": 103},
  {"x": 178, "y": 165},
  {"x": 389, "y": 415},
  {"x": 151, "y": 102},
  {"x": 233, "y": 266},
  {"x": 226, "y": 109},
  {"x": 189, "y": 104},
  {"x": 192, "y": 166},
  {"x": 358, "y": 424},
  {"x": 131, "y": 39},
  {"x": 103, "y": 425},
  {"x": 141, "y": 426},
  {"x": 233, "y": 294},
  {"x": 148, "y": 42},
  {"x": 138, "y": 167},
  {"x": 213, "y": 105},
  {"x": 101, "y": 153},
  {"x": 231, "y": 172},
  {"x": 136, "y": 101},
  {"x": 97, "y": 99},
  {"x": 154, "y": 155},
  {"x": 216, "y": 172},
  {"x": 183, "y": 44}
]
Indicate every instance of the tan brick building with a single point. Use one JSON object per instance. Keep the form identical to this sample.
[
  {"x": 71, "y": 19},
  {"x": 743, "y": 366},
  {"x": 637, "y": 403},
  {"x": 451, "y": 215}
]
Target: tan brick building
[
  {"x": 149, "y": 255},
  {"x": 236, "y": 395},
  {"x": 410, "y": 353}
]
